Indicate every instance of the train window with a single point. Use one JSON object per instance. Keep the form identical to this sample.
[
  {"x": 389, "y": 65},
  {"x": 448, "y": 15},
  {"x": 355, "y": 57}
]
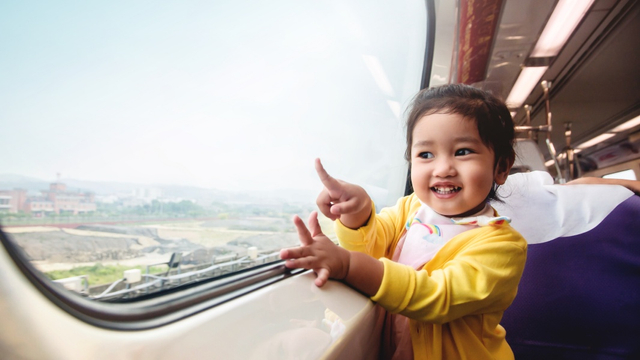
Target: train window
[
  {"x": 628, "y": 174},
  {"x": 149, "y": 145}
]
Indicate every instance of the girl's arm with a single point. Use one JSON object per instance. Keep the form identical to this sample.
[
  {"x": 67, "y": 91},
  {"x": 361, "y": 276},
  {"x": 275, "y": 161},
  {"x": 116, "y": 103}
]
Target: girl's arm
[
  {"x": 327, "y": 260},
  {"x": 482, "y": 278},
  {"x": 479, "y": 274}
]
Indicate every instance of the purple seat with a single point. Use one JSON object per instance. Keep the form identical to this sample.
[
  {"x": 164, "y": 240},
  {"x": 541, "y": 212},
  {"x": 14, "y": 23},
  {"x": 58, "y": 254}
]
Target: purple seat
[{"x": 579, "y": 297}]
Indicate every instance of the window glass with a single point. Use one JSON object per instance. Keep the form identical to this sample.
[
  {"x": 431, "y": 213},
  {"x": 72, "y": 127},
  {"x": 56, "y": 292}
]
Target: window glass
[
  {"x": 628, "y": 174},
  {"x": 143, "y": 141}
]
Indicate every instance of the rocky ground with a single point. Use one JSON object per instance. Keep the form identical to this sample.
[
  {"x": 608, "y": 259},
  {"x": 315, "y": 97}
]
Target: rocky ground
[{"x": 52, "y": 248}]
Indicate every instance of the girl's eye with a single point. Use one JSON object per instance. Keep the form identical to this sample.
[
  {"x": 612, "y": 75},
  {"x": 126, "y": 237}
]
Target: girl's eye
[
  {"x": 425, "y": 155},
  {"x": 462, "y": 152}
]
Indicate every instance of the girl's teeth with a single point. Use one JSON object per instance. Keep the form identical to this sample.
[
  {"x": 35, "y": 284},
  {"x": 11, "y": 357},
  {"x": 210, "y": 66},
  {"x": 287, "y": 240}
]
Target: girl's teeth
[{"x": 446, "y": 190}]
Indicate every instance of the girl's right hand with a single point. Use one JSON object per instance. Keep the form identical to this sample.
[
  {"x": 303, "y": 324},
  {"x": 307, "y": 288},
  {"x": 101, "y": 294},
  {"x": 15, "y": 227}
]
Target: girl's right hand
[{"x": 341, "y": 200}]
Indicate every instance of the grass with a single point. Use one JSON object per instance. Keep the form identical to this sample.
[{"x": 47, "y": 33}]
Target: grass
[{"x": 100, "y": 274}]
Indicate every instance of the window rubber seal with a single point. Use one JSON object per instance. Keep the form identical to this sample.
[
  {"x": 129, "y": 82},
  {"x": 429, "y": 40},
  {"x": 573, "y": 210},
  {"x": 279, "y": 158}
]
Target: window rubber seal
[
  {"x": 153, "y": 310},
  {"x": 430, "y": 8}
]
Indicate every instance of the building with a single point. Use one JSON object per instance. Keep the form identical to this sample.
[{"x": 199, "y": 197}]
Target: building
[
  {"x": 55, "y": 200},
  {"x": 12, "y": 201}
]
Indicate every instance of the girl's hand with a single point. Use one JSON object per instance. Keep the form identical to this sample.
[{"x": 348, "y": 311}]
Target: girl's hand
[
  {"x": 340, "y": 200},
  {"x": 317, "y": 252}
]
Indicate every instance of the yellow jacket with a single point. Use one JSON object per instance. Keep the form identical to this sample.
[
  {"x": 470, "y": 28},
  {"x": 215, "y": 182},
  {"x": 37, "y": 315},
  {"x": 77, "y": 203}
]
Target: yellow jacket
[{"x": 456, "y": 301}]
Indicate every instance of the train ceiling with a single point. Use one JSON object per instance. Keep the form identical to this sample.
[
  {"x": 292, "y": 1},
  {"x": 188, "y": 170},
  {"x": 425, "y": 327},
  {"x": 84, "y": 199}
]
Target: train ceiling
[{"x": 595, "y": 77}]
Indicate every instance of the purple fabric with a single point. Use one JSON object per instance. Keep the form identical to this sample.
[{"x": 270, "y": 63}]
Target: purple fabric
[{"x": 579, "y": 297}]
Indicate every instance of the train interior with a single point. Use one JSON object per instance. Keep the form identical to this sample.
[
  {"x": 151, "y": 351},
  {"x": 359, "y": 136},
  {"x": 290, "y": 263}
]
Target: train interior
[{"x": 567, "y": 71}]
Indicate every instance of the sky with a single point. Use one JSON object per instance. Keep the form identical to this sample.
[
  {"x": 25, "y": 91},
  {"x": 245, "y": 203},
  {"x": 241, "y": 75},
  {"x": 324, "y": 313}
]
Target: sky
[{"x": 216, "y": 94}]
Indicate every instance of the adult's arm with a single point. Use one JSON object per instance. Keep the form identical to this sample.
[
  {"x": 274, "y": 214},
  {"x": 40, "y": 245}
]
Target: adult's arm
[{"x": 633, "y": 185}]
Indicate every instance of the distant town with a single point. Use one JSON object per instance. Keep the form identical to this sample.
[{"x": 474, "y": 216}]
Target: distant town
[
  {"x": 22, "y": 204},
  {"x": 55, "y": 200},
  {"x": 77, "y": 228}
]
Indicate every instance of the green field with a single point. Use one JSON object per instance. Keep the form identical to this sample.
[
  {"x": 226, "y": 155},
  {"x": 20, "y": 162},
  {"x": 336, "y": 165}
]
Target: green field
[{"x": 100, "y": 274}]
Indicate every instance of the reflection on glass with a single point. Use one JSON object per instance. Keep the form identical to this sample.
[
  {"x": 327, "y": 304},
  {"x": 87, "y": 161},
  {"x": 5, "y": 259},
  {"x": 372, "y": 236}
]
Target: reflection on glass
[{"x": 154, "y": 144}]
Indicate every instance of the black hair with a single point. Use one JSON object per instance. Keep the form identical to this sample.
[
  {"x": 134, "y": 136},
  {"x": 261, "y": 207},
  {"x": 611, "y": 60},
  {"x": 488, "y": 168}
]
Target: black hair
[{"x": 490, "y": 114}]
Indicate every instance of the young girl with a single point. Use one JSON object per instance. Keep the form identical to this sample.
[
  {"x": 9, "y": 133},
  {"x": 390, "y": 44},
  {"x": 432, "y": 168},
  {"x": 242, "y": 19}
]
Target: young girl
[{"x": 441, "y": 257}]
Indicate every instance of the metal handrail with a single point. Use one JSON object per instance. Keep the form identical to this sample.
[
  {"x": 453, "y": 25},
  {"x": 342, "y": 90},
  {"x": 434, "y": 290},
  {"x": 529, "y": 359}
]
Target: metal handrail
[
  {"x": 570, "y": 160},
  {"x": 546, "y": 128}
]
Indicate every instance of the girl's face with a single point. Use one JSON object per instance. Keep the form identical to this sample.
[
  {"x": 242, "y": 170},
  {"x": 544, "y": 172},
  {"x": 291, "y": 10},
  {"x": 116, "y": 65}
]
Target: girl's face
[{"x": 452, "y": 170}]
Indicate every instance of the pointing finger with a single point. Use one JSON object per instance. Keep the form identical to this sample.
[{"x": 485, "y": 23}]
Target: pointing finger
[
  {"x": 346, "y": 207},
  {"x": 292, "y": 253},
  {"x": 324, "y": 204},
  {"x": 327, "y": 180},
  {"x": 303, "y": 233},
  {"x": 314, "y": 225}
]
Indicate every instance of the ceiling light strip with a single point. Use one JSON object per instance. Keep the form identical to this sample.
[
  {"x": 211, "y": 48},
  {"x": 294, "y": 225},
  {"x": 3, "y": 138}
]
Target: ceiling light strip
[
  {"x": 528, "y": 79},
  {"x": 627, "y": 125},
  {"x": 563, "y": 21},
  {"x": 596, "y": 140}
]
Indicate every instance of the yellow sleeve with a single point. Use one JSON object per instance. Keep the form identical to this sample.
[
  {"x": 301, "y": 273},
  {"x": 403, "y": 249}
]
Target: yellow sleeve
[
  {"x": 480, "y": 275},
  {"x": 382, "y": 231}
]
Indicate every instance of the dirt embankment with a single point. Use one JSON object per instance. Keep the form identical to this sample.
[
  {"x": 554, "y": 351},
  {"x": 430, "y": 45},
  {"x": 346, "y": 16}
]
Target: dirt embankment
[
  {"x": 89, "y": 243},
  {"x": 52, "y": 248}
]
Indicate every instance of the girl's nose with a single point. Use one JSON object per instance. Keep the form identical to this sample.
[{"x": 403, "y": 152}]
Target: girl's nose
[{"x": 444, "y": 167}]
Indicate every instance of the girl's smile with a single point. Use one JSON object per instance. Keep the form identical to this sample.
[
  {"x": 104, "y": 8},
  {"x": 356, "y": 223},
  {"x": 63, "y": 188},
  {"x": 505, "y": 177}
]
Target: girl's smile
[
  {"x": 444, "y": 191},
  {"x": 452, "y": 170}
]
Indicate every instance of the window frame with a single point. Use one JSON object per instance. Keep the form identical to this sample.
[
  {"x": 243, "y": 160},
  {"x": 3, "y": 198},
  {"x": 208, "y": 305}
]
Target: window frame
[{"x": 158, "y": 309}]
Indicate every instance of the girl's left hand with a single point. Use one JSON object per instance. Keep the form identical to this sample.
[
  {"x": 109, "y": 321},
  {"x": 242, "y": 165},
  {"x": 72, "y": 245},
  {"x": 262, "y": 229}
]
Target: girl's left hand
[{"x": 317, "y": 252}]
